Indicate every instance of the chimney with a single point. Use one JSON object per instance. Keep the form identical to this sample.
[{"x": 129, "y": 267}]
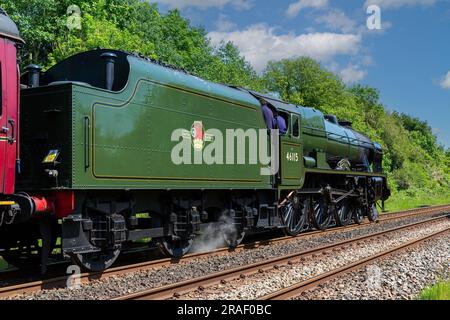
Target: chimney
[
  {"x": 110, "y": 60},
  {"x": 34, "y": 74}
]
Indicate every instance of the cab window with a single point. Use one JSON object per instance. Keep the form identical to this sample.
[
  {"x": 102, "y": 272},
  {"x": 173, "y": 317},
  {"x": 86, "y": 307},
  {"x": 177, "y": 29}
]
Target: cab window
[
  {"x": 295, "y": 126},
  {"x": 282, "y": 122}
]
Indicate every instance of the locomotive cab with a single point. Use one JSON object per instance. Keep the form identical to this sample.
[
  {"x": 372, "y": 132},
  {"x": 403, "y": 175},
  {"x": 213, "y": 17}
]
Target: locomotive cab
[{"x": 291, "y": 160}]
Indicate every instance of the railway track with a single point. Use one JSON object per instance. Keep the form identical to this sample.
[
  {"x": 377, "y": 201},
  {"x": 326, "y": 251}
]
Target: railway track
[
  {"x": 296, "y": 289},
  {"x": 61, "y": 281},
  {"x": 178, "y": 289}
]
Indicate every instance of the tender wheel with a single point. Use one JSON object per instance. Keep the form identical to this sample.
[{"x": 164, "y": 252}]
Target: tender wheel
[
  {"x": 358, "y": 216},
  {"x": 320, "y": 214},
  {"x": 343, "y": 213},
  {"x": 175, "y": 248},
  {"x": 373, "y": 213},
  {"x": 96, "y": 261},
  {"x": 234, "y": 239},
  {"x": 25, "y": 252},
  {"x": 230, "y": 233},
  {"x": 295, "y": 215},
  {"x": 26, "y": 255}
]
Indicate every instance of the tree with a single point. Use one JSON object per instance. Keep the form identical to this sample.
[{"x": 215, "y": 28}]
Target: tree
[
  {"x": 368, "y": 100},
  {"x": 130, "y": 25},
  {"x": 420, "y": 132},
  {"x": 231, "y": 68},
  {"x": 39, "y": 22},
  {"x": 98, "y": 33},
  {"x": 303, "y": 81}
]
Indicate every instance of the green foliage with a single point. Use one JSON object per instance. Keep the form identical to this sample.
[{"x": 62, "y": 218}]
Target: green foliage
[
  {"x": 417, "y": 167},
  {"x": 98, "y": 33},
  {"x": 414, "y": 198},
  {"x": 413, "y": 159},
  {"x": 303, "y": 81},
  {"x": 440, "y": 291},
  {"x": 130, "y": 25},
  {"x": 38, "y": 22},
  {"x": 231, "y": 68}
]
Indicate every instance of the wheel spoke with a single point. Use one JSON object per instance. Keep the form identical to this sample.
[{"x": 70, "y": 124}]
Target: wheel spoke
[
  {"x": 291, "y": 220},
  {"x": 288, "y": 215},
  {"x": 320, "y": 215},
  {"x": 342, "y": 213},
  {"x": 357, "y": 214},
  {"x": 373, "y": 213},
  {"x": 293, "y": 215}
]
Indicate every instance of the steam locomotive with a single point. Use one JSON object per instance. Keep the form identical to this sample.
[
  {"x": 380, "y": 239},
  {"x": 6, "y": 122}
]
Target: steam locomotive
[{"x": 87, "y": 157}]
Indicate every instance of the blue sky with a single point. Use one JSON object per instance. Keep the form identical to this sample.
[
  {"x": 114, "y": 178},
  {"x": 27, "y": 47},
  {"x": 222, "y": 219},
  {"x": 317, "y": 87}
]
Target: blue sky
[{"x": 408, "y": 60}]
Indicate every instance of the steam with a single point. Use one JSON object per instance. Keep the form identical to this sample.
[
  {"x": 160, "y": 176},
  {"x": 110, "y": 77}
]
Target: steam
[{"x": 212, "y": 236}]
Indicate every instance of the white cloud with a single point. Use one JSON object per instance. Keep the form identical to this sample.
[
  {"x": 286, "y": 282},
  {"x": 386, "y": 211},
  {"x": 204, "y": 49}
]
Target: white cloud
[
  {"x": 366, "y": 60},
  {"x": 259, "y": 44},
  {"x": 224, "y": 24},
  {"x": 395, "y": 4},
  {"x": 445, "y": 81},
  {"x": 336, "y": 19},
  {"x": 352, "y": 74},
  {"x": 296, "y": 7},
  {"x": 205, "y": 4}
]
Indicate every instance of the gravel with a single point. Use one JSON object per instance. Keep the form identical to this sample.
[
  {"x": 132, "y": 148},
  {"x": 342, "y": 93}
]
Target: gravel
[
  {"x": 137, "y": 281},
  {"x": 275, "y": 279},
  {"x": 401, "y": 277}
]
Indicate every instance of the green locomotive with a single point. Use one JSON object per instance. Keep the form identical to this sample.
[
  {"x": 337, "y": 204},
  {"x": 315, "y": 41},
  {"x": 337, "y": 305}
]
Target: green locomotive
[{"x": 120, "y": 148}]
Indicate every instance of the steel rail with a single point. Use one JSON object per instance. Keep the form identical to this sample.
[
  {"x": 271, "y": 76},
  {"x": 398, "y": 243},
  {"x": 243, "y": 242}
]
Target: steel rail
[
  {"x": 177, "y": 289},
  {"x": 61, "y": 282},
  {"x": 298, "y": 288}
]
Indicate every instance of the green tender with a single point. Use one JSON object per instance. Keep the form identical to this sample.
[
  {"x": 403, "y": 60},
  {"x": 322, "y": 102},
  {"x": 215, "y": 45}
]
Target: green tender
[{"x": 122, "y": 140}]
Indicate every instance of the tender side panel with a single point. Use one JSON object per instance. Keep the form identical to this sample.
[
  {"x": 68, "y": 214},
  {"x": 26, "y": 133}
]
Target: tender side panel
[{"x": 124, "y": 139}]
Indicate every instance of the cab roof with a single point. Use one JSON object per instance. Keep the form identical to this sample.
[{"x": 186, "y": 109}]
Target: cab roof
[
  {"x": 8, "y": 28},
  {"x": 279, "y": 104}
]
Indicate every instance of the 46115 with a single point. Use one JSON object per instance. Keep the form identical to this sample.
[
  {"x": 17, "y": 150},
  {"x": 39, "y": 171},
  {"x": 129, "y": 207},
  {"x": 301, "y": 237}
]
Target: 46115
[{"x": 292, "y": 156}]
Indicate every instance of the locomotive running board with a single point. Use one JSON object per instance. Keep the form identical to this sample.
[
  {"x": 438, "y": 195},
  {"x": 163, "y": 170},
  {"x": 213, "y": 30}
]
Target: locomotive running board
[
  {"x": 321, "y": 190},
  {"x": 347, "y": 173}
]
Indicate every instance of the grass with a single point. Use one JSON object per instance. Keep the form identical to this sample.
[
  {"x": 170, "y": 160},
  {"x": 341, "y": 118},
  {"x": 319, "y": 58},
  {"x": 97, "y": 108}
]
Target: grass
[
  {"x": 402, "y": 201},
  {"x": 440, "y": 291}
]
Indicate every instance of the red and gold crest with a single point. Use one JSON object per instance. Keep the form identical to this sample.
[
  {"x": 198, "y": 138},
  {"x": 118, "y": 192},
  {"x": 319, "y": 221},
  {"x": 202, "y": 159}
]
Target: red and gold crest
[{"x": 198, "y": 135}]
